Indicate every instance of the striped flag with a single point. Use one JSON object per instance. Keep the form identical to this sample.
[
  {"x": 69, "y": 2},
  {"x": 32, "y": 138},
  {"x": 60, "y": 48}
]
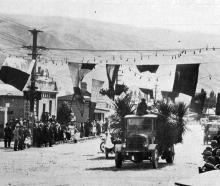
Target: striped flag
[
  {"x": 78, "y": 72},
  {"x": 16, "y": 71}
]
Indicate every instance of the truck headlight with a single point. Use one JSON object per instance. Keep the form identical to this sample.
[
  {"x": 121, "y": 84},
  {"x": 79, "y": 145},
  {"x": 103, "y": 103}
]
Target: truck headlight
[{"x": 123, "y": 145}]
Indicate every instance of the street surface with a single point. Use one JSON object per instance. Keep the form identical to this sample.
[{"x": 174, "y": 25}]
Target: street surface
[{"x": 84, "y": 164}]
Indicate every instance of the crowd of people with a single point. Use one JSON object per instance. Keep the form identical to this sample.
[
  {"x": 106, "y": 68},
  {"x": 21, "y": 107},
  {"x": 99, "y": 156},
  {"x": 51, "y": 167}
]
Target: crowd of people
[
  {"x": 211, "y": 155},
  {"x": 18, "y": 131},
  {"x": 48, "y": 133}
]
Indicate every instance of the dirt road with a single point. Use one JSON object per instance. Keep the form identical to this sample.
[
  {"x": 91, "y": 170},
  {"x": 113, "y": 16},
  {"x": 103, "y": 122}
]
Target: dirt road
[{"x": 83, "y": 164}]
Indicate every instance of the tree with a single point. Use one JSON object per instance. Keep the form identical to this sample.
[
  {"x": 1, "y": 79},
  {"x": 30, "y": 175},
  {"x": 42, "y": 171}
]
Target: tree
[
  {"x": 171, "y": 126},
  {"x": 64, "y": 114},
  {"x": 123, "y": 106}
]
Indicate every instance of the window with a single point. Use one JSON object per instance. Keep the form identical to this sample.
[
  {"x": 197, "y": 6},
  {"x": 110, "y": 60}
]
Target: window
[
  {"x": 140, "y": 124},
  {"x": 44, "y": 107}
]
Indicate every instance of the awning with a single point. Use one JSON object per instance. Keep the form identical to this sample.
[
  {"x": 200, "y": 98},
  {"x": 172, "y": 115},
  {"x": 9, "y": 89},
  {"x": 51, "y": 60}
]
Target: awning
[{"x": 103, "y": 111}]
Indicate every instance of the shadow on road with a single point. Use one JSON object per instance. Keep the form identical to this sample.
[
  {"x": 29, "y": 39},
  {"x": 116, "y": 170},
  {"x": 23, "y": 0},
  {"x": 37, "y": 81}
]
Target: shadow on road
[
  {"x": 129, "y": 166},
  {"x": 88, "y": 155},
  {"x": 102, "y": 158},
  {"x": 7, "y": 149}
]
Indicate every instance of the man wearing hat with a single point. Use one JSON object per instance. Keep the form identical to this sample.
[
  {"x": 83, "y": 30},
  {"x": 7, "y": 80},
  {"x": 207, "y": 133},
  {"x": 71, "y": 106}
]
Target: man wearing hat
[
  {"x": 142, "y": 107},
  {"x": 7, "y": 136},
  {"x": 16, "y": 137}
]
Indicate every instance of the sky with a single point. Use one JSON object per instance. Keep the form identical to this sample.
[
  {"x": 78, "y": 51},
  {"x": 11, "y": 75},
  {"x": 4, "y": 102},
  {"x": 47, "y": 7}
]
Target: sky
[
  {"x": 181, "y": 15},
  {"x": 184, "y": 15}
]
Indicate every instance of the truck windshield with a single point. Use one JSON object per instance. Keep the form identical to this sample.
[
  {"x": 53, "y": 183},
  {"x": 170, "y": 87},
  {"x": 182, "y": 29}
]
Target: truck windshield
[{"x": 139, "y": 124}]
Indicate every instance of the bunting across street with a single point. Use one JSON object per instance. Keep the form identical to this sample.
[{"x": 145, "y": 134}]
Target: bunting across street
[{"x": 78, "y": 72}]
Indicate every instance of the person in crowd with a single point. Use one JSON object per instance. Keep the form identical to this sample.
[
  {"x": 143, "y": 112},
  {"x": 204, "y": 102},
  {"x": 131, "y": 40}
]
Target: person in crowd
[
  {"x": 16, "y": 137},
  {"x": 35, "y": 132},
  {"x": 26, "y": 134},
  {"x": 56, "y": 132},
  {"x": 7, "y": 135},
  {"x": 98, "y": 127},
  {"x": 21, "y": 139},
  {"x": 45, "y": 135},
  {"x": 68, "y": 133},
  {"x": 51, "y": 135},
  {"x": 87, "y": 128},
  {"x": 94, "y": 131},
  {"x": 40, "y": 135},
  {"x": 105, "y": 125},
  {"x": 82, "y": 130},
  {"x": 60, "y": 134}
]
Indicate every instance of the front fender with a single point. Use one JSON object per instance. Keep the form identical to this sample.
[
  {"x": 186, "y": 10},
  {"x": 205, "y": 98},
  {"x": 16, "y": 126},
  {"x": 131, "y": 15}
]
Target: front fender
[{"x": 118, "y": 147}]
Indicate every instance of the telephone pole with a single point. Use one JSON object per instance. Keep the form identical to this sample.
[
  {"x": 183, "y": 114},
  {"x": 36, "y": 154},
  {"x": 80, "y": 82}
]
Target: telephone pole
[{"x": 34, "y": 54}]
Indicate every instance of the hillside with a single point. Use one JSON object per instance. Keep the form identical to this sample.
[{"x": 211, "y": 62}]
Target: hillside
[{"x": 79, "y": 33}]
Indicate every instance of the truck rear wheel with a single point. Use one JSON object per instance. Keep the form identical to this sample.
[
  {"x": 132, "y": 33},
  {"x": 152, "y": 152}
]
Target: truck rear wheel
[
  {"x": 170, "y": 155},
  {"x": 118, "y": 159},
  {"x": 106, "y": 153},
  {"x": 155, "y": 158},
  {"x": 102, "y": 147}
]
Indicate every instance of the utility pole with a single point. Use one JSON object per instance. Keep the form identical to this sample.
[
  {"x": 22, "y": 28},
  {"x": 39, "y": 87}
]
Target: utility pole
[
  {"x": 34, "y": 54},
  {"x": 155, "y": 98}
]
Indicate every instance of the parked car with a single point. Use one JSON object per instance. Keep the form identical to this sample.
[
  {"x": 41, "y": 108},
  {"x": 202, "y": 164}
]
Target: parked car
[
  {"x": 139, "y": 142},
  {"x": 211, "y": 129}
]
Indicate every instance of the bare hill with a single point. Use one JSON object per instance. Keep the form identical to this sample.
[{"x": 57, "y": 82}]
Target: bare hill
[{"x": 61, "y": 32}]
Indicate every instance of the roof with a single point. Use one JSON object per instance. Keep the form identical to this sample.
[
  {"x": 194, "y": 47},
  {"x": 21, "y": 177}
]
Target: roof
[
  {"x": 70, "y": 96},
  {"x": 6, "y": 89},
  {"x": 212, "y": 123},
  {"x": 141, "y": 116}
]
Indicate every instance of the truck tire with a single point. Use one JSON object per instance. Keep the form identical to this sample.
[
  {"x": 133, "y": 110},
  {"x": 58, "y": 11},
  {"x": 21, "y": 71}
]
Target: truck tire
[
  {"x": 118, "y": 159},
  {"x": 138, "y": 158},
  {"x": 155, "y": 158},
  {"x": 170, "y": 155},
  {"x": 102, "y": 147},
  {"x": 106, "y": 153}
]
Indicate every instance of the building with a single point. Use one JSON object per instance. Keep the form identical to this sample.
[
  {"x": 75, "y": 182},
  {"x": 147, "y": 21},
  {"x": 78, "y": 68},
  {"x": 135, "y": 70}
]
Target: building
[
  {"x": 104, "y": 108},
  {"x": 19, "y": 106},
  {"x": 15, "y": 102},
  {"x": 48, "y": 88},
  {"x": 82, "y": 110}
]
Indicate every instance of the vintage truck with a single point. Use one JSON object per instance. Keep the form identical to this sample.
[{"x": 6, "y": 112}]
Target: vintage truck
[{"x": 139, "y": 141}]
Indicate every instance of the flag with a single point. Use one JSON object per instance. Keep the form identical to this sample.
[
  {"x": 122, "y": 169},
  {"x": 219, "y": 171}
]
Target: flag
[
  {"x": 78, "y": 72},
  {"x": 120, "y": 88},
  {"x": 147, "y": 92},
  {"x": 186, "y": 78},
  {"x": 74, "y": 69},
  {"x": 16, "y": 71},
  {"x": 112, "y": 74},
  {"x": 95, "y": 91},
  {"x": 217, "y": 110},
  {"x": 150, "y": 68},
  {"x": 89, "y": 66}
]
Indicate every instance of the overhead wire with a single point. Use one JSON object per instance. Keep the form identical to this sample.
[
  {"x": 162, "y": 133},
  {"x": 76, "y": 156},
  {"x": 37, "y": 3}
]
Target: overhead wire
[
  {"x": 13, "y": 37},
  {"x": 8, "y": 19}
]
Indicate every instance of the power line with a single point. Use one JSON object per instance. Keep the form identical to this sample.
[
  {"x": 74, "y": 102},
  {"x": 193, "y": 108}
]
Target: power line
[
  {"x": 13, "y": 37},
  {"x": 128, "y": 50},
  {"x": 8, "y": 19},
  {"x": 11, "y": 41}
]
